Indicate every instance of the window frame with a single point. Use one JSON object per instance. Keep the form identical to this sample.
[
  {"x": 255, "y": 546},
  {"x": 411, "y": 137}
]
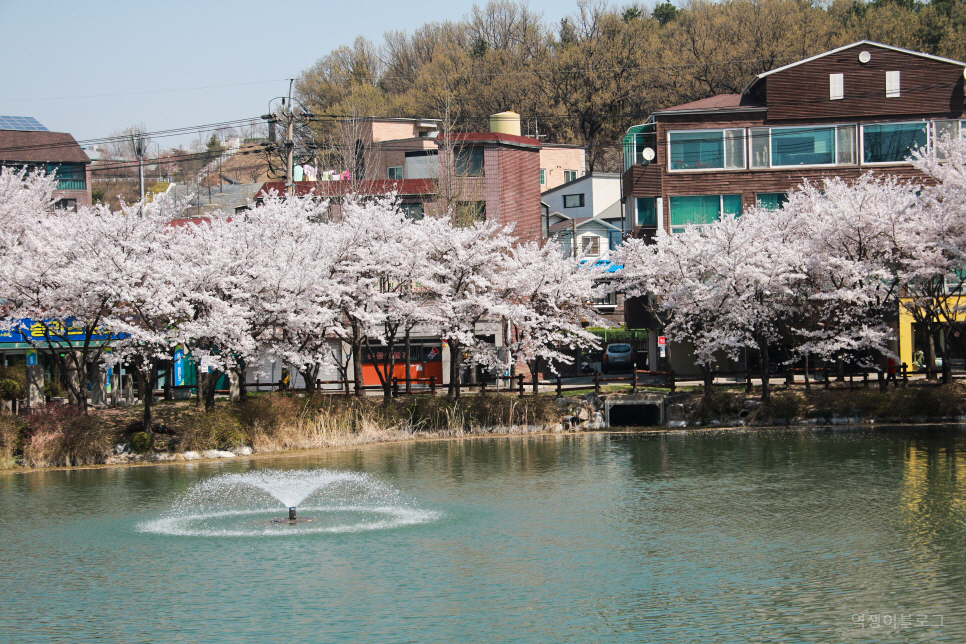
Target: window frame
[
  {"x": 390, "y": 173},
  {"x": 570, "y": 175},
  {"x": 677, "y": 229},
  {"x": 927, "y": 123},
  {"x": 543, "y": 176},
  {"x": 589, "y": 239},
  {"x": 724, "y": 150},
  {"x": 580, "y": 195}
]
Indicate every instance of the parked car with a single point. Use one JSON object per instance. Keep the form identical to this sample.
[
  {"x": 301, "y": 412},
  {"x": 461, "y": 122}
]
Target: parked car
[{"x": 618, "y": 357}]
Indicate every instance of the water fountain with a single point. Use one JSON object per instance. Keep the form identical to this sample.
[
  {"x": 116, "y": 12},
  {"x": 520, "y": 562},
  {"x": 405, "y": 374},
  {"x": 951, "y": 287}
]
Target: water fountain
[{"x": 243, "y": 504}]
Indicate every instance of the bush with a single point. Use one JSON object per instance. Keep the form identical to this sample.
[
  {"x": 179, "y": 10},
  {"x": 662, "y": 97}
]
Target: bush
[
  {"x": 142, "y": 442},
  {"x": 218, "y": 429},
  {"x": 717, "y": 405},
  {"x": 785, "y": 405},
  {"x": 63, "y": 436},
  {"x": 10, "y": 390},
  {"x": 9, "y": 438}
]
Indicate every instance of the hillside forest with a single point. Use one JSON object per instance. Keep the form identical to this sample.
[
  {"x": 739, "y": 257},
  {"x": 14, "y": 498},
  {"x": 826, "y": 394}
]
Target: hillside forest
[{"x": 587, "y": 78}]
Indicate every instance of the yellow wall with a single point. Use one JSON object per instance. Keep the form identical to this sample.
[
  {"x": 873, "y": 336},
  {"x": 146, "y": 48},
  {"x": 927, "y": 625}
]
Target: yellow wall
[{"x": 905, "y": 331}]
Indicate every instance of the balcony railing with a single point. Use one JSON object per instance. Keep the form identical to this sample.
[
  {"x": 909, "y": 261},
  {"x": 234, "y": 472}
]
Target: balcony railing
[{"x": 72, "y": 184}]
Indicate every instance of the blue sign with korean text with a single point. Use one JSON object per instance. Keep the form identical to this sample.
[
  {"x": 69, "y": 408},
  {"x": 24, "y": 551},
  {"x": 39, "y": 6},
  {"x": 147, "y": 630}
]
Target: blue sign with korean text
[{"x": 179, "y": 368}]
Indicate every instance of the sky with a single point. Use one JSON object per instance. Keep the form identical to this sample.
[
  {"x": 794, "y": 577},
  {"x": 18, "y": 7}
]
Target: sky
[{"x": 96, "y": 67}]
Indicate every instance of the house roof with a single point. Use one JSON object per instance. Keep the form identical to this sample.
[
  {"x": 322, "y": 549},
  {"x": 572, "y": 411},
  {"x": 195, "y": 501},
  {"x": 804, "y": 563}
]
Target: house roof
[
  {"x": 721, "y": 102},
  {"x": 581, "y": 221},
  {"x": 864, "y": 43},
  {"x": 609, "y": 176},
  {"x": 341, "y": 188},
  {"x": 493, "y": 137},
  {"x": 20, "y": 146}
]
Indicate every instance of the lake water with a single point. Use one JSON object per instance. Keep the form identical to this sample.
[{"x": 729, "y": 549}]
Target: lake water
[{"x": 757, "y": 536}]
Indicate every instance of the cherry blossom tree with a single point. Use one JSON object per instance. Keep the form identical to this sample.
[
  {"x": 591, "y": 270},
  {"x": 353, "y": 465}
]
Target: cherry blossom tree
[
  {"x": 933, "y": 271},
  {"x": 543, "y": 298}
]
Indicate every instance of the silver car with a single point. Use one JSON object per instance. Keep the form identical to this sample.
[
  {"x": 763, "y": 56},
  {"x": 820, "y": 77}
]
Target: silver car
[{"x": 618, "y": 357}]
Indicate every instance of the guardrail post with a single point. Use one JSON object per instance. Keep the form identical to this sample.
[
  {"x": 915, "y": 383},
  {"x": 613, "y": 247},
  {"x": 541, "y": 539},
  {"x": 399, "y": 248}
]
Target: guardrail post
[
  {"x": 905, "y": 374},
  {"x": 395, "y": 387},
  {"x": 559, "y": 386},
  {"x": 747, "y": 381},
  {"x": 634, "y": 380},
  {"x": 865, "y": 379},
  {"x": 597, "y": 382},
  {"x": 826, "y": 377},
  {"x": 851, "y": 380},
  {"x": 432, "y": 385},
  {"x": 520, "y": 383},
  {"x": 673, "y": 383},
  {"x": 483, "y": 385}
]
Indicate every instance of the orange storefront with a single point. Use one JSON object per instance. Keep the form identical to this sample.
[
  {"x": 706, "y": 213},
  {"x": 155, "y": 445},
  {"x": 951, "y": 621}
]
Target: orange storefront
[{"x": 426, "y": 360}]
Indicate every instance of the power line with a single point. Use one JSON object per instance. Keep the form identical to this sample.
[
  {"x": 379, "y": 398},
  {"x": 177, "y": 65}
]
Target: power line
[{"x": 159, "y": 91}]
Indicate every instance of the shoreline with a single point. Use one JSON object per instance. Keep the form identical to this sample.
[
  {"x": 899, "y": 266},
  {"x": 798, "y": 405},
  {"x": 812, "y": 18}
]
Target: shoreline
[{"x": 294, "y": 453}]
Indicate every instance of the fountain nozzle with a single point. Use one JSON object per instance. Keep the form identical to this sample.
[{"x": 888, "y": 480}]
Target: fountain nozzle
[{"x": 291, "y": 514}]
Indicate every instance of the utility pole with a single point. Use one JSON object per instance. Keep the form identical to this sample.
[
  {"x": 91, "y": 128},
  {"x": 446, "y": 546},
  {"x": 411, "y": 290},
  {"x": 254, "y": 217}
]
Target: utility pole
[
  {"x": 137, "y": 145},
  {"x": 290, "y": 143},
  {"x": 573, "y": 236}
]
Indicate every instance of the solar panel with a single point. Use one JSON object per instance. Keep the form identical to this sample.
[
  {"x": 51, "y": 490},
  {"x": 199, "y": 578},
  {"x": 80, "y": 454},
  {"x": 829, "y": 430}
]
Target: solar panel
[{"x": 25, "y": 123}]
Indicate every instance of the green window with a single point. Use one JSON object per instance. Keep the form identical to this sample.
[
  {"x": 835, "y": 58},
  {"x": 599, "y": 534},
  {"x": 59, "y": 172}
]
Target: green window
[
  {"x": 707, "y": 149},
  {"x": 395, "y": 173},
  {"x": 543, "y": 176},
  {"x": 772, "y": 200},
  {"x": 892, "y": 142},
  {"x": 802, "y": 146},
  {"x": 70, "y": 176},
  {"x": 701, "y": 210},
  {"x": 647, "y": 211}
]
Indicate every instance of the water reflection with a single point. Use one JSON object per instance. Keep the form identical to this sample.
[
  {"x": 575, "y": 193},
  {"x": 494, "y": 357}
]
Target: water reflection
[{"x": 765, "y": 536}]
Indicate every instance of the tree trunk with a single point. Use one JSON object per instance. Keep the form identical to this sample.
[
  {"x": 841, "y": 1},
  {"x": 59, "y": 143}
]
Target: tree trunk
[
  {"x": 169, "y": 381},
  {"x": 146, "y": 379},
  {"x": 535, "y": 375},
  {"x": 454, "y": 369},
  {"x": 357, "y": 358},
  {"x": 240, "y": 373},
  {"x": 765, "y": 385},
  {"x": 408, "y": 344},
  {"x": 808, "y": 385},
  {"x": 947, "y": 367},
  {"x": 930, "y": 356},
  {"x": 708, "y": 375}
]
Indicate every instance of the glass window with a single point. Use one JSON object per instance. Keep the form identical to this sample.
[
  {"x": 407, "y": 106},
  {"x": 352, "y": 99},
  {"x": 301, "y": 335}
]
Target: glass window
[
  {"x": 802, "y": 146},
  {"x": 412, "y": 211},
  {"x": 469, "y": 162},
  {"x": 646, "y": 211},
  {"x": 70, "y": 176},
  {"x": 570, "y": 175},
  {"x": 760, "y": 147},
  {"x": 543, "y": 176},
  {"x": 574, "y": 201},
  {"x": 772, "y": 200},
  {"x": 945, "y": 129},
  {"x": 396, "y": 172},
  {"x": 892, "y": 142},
  {"x": 845, "y": 153},
  {"x": 707, "y": 149},
  {"x": 701, "y": 210},
  {"x": 590, "y": 245}
]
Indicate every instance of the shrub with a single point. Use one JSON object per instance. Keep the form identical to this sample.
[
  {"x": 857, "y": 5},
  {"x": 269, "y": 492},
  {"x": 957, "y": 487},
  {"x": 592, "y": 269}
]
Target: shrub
[
  {"x": 10, "y": 390},
  {"x": 719, "y": 404},
  {"x": 63, "y": 436},
  {"x": 9, "y": 438},
  {"x": 142, "y": 442},
  {"x": 218, "y": 429},
  {"x": 785, "y": 405}
]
